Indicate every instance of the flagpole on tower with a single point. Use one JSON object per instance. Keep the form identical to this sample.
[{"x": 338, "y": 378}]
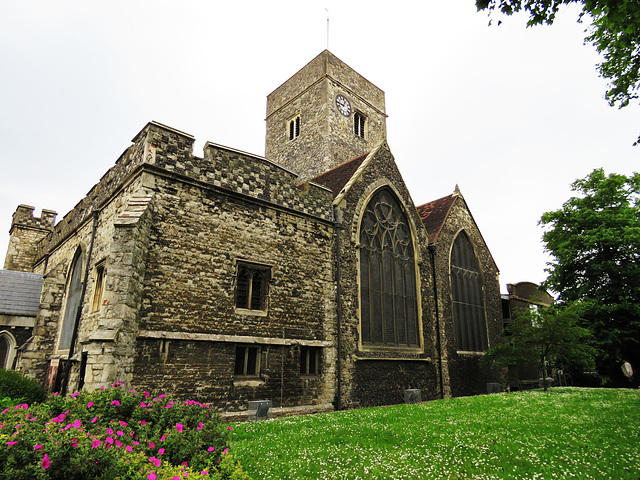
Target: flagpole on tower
[{"x": 327, "y": 10}]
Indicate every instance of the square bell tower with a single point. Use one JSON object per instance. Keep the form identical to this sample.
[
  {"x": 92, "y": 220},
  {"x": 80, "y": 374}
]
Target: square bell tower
[{"x": 323, "y": 116}]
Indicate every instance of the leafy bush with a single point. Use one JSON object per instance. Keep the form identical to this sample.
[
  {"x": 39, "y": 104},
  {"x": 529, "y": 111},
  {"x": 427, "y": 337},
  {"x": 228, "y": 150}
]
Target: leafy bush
[
  {"x": 14, "y": 385},
  {"x": 113, "y": 433}
]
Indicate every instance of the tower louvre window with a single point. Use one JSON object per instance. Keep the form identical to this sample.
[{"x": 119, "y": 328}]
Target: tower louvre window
[
  {"x": 359, "y": 122},
  {"x": 294, "y": 128}
]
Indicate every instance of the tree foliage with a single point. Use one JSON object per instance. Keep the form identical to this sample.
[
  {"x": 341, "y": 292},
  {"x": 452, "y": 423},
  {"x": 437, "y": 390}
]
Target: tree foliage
[
  {"x": 546, "y": 336},
  {"x": 614, "y": 30},
  {"x": 594, "y": 240}
]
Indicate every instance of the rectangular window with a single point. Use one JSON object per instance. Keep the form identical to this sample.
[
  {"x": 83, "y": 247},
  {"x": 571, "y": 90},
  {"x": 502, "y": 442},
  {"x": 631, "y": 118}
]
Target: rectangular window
[
  {"x": 247, "y": 361},
  {"x": 310, "y": 360},
  {"x": 252, "y": 283},
  {"x": 294, "y": 128},
  {"x": 98, "y": 287},
  {"x": 359, "y": 121}
]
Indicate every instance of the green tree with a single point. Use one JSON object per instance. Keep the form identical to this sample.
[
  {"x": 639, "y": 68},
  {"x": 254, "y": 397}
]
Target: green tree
[
  {"x": 614, "y": 30},
  {"x": 594, "y": 240},
  {"x": 545, "y": 337}
]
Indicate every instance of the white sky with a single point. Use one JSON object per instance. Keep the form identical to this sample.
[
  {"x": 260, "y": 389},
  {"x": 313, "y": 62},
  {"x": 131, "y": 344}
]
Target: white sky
[{"x": 512, "y": 115}]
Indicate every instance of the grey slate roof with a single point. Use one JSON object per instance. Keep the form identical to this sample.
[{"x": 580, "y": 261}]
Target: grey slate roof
[{"x": 20, "y": 293}]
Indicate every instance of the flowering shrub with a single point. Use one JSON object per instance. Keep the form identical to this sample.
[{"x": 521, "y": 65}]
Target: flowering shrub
[{"x": 113, "y": 433}]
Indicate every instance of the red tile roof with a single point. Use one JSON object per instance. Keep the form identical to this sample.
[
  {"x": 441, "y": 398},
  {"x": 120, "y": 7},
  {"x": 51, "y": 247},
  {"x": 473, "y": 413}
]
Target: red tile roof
[
  {"x": 433, "y": 214},
  {"x": 336, "y": 178}
]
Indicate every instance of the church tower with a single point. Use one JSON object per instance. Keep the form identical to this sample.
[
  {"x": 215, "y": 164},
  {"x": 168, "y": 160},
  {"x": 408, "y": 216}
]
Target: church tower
[{"x": 323, "y": 116}]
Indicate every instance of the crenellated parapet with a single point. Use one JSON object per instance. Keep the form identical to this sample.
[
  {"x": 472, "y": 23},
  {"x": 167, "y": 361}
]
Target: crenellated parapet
[{"x": 25, "y": 233}]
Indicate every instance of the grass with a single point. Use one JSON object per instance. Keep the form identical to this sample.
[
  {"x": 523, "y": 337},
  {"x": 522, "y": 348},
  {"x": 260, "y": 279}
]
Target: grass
[{"x": 563, "y": 433}]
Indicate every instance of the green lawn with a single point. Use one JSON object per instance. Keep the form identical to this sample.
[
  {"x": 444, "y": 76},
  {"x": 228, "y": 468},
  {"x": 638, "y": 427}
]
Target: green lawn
[{"x": 563, "y": 433}]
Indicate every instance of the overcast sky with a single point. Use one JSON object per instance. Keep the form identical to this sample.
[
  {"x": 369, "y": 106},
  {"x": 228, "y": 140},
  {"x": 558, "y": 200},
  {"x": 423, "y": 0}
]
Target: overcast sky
[{"x": 512, "y": 115}]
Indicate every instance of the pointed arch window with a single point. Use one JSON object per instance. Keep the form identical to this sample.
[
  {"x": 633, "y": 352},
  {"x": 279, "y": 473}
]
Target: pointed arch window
[
  {"x": 388, "y": 295},
  {"x": 74, "y": 294},
  {"x": 7, "y": 350},
  {"x": 468, "y": 298}
]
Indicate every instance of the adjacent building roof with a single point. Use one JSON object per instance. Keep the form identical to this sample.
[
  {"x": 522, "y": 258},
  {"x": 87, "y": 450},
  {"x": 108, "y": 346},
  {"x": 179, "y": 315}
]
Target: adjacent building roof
[
  {"x": 433, "y": 214},
  {"x": 20, "y": 293}
]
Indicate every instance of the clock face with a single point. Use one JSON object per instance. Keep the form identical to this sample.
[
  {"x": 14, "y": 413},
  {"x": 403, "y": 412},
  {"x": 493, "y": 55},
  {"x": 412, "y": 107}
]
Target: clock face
[{"x": 344, "y": 107}]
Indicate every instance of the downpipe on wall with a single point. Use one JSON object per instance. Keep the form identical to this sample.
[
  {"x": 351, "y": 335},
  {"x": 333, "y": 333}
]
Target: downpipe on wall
[
  {"x": 337, "y": 221},
  {"x": 432, "y": 251}
]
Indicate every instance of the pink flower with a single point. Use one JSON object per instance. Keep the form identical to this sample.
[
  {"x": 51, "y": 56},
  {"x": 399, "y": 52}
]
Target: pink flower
[
  {"x": 123, "y": 423},
  {"x": 143, "y": 405},
  {"x": 56, "y": 394},
  {"x": 179, "y": 427},
  {"x": 163, "y": 438},
  {"x": 109, "y": 431},
  {"x": 94, "y": 419},
  {"x": 146, "y": 394},
  {"x": 229, "y": 428},
  {"x": 152, "y": 445},
  {"x": 95, "y": 443},
  {"x": 200, "y": 425},
  {"x": 38, "y": 447},
  {"x": 120, "y": 433},
  {"x": 129, "y": 448},
  {"x": 77, "y": 424},
  {"x": 118, "y": 443},
  {"x": 211, "y": 449},
  {"x": 151, "y": 476},
  {"x": 204, "y": 472},
  {"x": 155, "y": 461},
  {"x": 45, "y": 461},
  {"x": 143, "y": 423},
  {"x": 74, "y": 395},
  {"x": 11, "y": 443},
  {"x": 116, "y": 403},
  {"x": 225, "y": 451},
  {"x": 161, "y": 451},
  {"x": 90, "y": 404},
  {"x": 109, "y": 440}
]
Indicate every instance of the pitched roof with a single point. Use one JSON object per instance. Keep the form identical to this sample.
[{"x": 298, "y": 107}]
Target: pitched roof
[
  {"x": 336, "y": 178},
  {"x": 433, "y": 214},
  {"x": 20, "y": 293}
]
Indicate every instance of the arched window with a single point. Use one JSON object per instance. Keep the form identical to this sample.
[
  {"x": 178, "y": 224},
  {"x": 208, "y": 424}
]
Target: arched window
[
  {"x": 74, "y": 293},
  {"x": 389, "y": 306},
  {"x": 7, "y": 350},
  {"x": 468, "y": 298}
]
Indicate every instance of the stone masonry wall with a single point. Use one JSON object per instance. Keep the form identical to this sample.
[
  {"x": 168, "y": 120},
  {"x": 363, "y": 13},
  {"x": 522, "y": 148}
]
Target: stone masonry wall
[
  {"x": 368, "y": 381},
  {"x": 188, "y": 320},
  {"x": 464, "y": 373}
]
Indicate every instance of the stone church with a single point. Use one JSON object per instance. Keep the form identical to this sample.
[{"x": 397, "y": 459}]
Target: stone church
[{"x": 307, "y": 277}]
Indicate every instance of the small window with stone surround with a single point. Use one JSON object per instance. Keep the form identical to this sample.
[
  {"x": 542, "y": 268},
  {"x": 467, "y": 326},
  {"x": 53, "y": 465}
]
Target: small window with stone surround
[
  {"x": 310, "y": 360},
  {"x": 98, "y": 286},
  {"x": 359, "y": 122},
  {"x": 252, "y": 287},
  {"x": 294, "y": 127},
  {"x": 247, "y": 361}
]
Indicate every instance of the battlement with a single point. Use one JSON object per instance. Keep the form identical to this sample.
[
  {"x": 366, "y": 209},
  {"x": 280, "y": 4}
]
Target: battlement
[
  {"x": 23, "y": 217},
  {"x": 171, "y": 151}
]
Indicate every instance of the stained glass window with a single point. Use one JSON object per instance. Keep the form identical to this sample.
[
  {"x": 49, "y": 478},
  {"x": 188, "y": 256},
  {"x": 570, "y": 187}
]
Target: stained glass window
[
  {"x": 389, "y": 306},
  {"x": 468, "y": 298}
]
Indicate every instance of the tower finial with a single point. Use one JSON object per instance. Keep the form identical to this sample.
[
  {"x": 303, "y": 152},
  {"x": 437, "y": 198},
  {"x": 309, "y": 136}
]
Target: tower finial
[{"x": 457, "y": 191}]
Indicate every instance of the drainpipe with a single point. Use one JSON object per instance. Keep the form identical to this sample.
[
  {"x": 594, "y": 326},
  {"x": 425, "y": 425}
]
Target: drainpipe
[
  {"x": 67, "y": 366},
  {"x": 337, "y": 219},
  {"x": 432, "y": 251}
]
